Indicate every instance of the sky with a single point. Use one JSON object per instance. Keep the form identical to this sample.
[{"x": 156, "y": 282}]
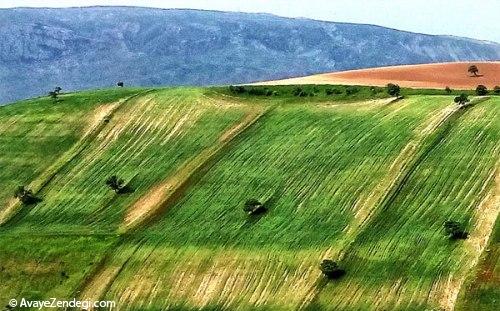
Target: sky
[{"x": 468, "y": 18}]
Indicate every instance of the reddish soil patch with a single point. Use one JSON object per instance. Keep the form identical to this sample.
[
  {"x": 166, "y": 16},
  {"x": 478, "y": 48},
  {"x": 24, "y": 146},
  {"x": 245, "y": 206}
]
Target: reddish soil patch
[{"x": 437, "y": 76}]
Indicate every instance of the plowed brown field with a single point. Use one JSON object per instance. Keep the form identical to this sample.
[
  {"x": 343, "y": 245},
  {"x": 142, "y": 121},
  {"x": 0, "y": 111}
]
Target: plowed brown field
[{"x": 437, "y": 75}]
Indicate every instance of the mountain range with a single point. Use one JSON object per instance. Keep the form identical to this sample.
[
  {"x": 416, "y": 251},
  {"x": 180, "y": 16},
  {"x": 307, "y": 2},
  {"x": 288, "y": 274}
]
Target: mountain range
[{"x": 94, "y": 47}]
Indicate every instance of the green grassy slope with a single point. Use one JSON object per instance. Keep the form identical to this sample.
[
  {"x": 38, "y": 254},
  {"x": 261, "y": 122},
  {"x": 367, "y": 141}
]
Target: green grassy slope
[
  {"x": 319, "y": 163},
  {"x": 146, "y": 139},
  {"x": 401, "y": 260},
  {"x": 34, "y": 133},
  {"x": 362, "y": 180}
]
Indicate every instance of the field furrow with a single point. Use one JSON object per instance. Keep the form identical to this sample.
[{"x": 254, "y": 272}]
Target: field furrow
[
  {"x": 449, "y": 183},
  {"x": 147, "y": 139},
  {"x": 311, "y": 174}
]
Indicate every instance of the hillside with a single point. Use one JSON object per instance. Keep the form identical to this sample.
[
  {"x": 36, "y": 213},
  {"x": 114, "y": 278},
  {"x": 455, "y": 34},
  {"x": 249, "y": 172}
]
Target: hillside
[
  {"x": 98, "y": 46},
  {"x": 363, "y": 179},
  {"x": 438, "y": 76}
]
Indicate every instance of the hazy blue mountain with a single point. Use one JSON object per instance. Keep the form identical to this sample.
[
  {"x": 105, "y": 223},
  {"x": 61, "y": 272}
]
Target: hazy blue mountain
[{"x": 95, "y": 47}]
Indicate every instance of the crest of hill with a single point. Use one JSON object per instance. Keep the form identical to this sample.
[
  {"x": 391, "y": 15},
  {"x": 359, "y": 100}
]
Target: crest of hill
[{"x": 95, "y": 47}]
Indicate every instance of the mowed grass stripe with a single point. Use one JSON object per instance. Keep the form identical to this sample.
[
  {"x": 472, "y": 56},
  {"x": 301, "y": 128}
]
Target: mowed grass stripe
[
  {"x": 306, "y": 161},
  {"x": 465, "y": 157},
  {"x": 33, "y": 146},
  {"x": 131, "y": 147}
]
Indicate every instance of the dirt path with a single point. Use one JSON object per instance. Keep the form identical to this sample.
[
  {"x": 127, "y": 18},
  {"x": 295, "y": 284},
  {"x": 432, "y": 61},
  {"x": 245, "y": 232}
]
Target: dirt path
[
  {"x": 157, "y": 200},
  {"x": 95, "y": 286},
  {"x": 161, "y": 196}
]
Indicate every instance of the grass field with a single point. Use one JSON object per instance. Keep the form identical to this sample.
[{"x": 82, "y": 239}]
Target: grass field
[{"x": 363, "y": 179}]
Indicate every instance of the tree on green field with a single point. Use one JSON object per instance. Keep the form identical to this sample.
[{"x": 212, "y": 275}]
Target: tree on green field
[
  {"x": 462, "y": 99},
  {"x": 455, "y": 230},
  {"x": 448, "y": 90},
  {"x": 120, "y": 84},
  {"x": 253, "y": 206},
  {"x": 496, "y": 89},
  {"x": 25, "y": 195},
  {"x": 393, "y": 89},
  {"x": 331, "y": 269},
  {"x": 481, "y": 90},
  {"x": 53, "y": 94},
  {"x": 115, "y": 183},
  {"x": 473, "y": 70}
]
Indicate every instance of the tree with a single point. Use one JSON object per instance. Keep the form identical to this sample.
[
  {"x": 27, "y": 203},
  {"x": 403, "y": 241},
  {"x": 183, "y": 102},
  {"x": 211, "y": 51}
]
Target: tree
[
  {"x": 462, "y": 99},
  {"x": 331, "y": 269},
  {"x": 115, "y": 183},
  {"x": 350, "y": 90},
  {"x": 448, "y": 90},
  {"x": 393, "y": 89},
  {"x": 24, "y": 195},
  {"x": 120, "y": 84},
  {"x": 253, "y": 206},
  {"x": 481, "y": 90},
  {"x": 58, "y": 89},
  {"x": 454, "y": 230},
  {"x": 496, "y": 89},
  {"x": 53, "y": 94},
  {"x": 473, "y": 70}
]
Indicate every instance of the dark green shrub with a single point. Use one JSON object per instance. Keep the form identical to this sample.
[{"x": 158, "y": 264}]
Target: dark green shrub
[
  {"x": 375, "y": 90},
  {"x": 253, "y": 207},
  {"x": 393, "y": 89},
  {"x": 481, "y": 90},
  {"x": 350, "y": 90},
  {"x": 116, "y": 184},
  {"x": 455, "y": 230},
  {"x": 298, "y": 91},
  {"x": 26, "y": 196},
  {"x": 462, "y": 99},
  {"x": 120, "y": 84},
  {"x": 331, "y": 269},
  {"x": 496, "y": 89},
  {"x": 333, "y": 91},
  {"x": 239, "y": 89}
]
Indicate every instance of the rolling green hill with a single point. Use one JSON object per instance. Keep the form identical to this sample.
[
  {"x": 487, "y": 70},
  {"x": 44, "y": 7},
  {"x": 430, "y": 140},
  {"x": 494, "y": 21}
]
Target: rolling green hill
[{"x": 362, "y": 179}]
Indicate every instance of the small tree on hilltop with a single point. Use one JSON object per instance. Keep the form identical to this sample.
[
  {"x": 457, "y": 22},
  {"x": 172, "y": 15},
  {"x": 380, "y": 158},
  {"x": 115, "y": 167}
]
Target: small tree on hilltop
[
  {"x": 462, "y": 99},
  {"x": 393, "y": 89},
  {"x": 120, "y": 84},
  {"x": 115, "y": 183},
  {"x": 331, "y": 269},
  {"x": 448, "y": 90},
  {"x": 53, "y": 94},
  {"x": 473, "y": 70},
  {"x": 58, "y": 89},
  {"x": 454, "y": 230},
  {"x": 481, "y": 90},
  {"x": 496, "y": 89},
  {"x": 24, "y": 195},
  {"x": 253, "y": 206}
]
